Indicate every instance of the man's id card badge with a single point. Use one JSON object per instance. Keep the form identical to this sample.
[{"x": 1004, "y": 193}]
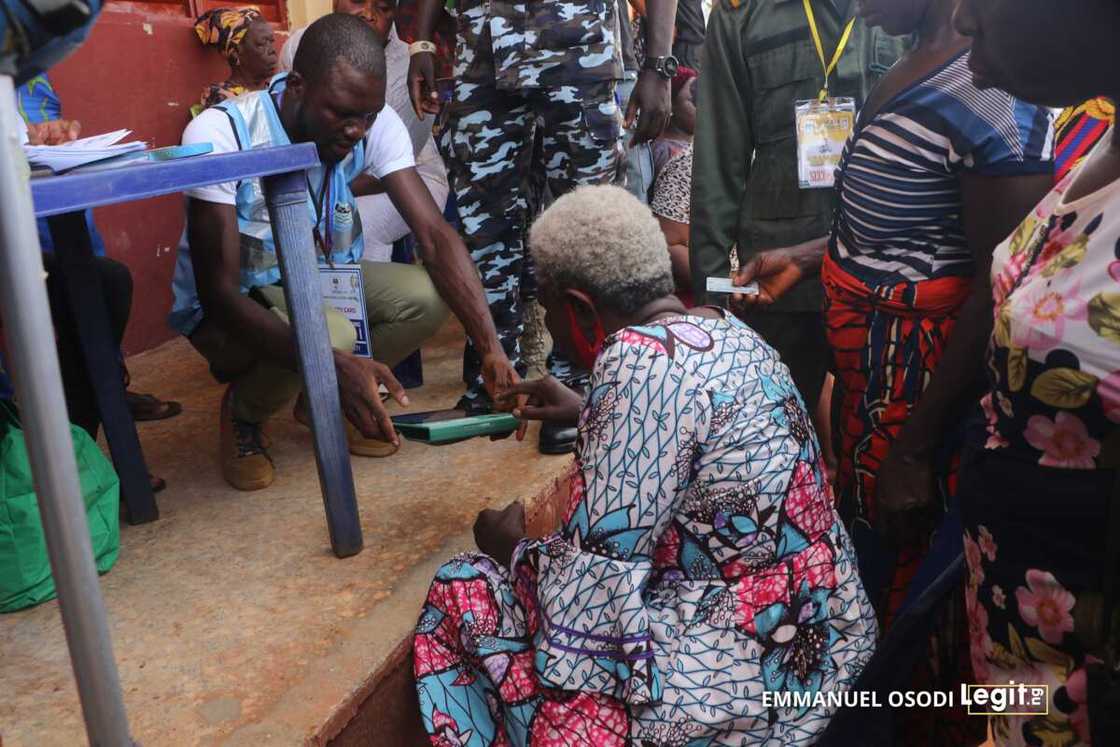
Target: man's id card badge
[
  {"x": 344, "y": 291},
  {"x": 823, "y": 127}
]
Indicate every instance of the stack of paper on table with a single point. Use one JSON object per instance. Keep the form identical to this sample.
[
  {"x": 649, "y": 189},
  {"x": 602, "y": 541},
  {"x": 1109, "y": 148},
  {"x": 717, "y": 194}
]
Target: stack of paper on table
[{"x": 80, "y": 152}]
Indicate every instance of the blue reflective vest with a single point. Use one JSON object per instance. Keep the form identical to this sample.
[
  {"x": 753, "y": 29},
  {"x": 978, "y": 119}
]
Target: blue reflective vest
[{"x": 330, "y": 203}]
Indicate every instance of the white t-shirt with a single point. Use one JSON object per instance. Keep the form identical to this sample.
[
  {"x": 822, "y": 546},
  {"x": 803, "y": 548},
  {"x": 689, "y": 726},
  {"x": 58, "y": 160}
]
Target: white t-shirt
[
  {"x": 288, "y": 53},
  {"x": 388, "y": 148}
]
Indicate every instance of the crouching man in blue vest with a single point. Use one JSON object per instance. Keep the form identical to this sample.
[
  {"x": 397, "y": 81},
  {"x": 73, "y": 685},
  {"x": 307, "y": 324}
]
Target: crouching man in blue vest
[{"x": 228, "y": 298}]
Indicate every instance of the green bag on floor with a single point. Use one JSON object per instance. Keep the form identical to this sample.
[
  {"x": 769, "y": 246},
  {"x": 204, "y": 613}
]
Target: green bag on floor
[{"x": 25, "y": 569}]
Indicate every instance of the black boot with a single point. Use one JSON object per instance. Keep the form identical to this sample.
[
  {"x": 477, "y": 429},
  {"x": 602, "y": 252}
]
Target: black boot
[{"x": 557, "y": 439}]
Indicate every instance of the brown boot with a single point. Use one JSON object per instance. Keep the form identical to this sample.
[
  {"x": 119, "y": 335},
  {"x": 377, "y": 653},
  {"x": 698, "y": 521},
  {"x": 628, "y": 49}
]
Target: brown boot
[
  {"x": 359, "y": 444},
  {"x": 246, "y": 464},
  {"x": 367, "y": 447}
]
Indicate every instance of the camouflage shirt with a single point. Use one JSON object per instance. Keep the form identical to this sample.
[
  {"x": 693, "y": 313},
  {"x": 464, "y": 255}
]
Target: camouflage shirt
[
  {"x": 537, "y": 43},
  {"x": 759, "y": 59}
]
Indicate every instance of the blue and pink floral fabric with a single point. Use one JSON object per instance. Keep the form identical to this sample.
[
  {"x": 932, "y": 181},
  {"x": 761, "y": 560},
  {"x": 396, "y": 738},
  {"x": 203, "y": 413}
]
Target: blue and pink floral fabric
[{"x": 701, "y": 563}]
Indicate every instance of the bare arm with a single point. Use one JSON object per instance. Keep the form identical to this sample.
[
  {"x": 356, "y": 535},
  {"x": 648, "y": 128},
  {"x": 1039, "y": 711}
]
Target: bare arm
[
  {"x": 427, "y": 15},
  {"x": 661, "y": 16},
  {"x": 993, "y": 207},
  {"x": 651, "y": 103},
  {"x": 676, "y": 236},
  {"x": 776, "y": 271},
  {"x": 216, "y": 256},
  {"x": 421, "y": 67},
  {"x": 366, "y": 184},
  {"x": 452, "y": 271}
]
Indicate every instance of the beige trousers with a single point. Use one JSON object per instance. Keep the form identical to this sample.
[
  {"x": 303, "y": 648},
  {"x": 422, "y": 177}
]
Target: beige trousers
[{"x": 404, "y": 310}]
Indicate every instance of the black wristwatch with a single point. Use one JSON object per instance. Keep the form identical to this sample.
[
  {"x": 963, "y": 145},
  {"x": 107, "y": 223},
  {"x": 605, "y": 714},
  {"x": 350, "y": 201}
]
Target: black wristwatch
[{"x": 666, "y": 66}]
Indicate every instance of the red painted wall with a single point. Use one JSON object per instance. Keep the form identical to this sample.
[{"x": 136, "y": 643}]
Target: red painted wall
[{"x": 142, "y": 71}]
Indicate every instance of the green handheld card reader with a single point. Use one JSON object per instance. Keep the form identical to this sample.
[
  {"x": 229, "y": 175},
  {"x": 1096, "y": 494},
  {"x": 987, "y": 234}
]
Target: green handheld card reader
[{"x": 447, "y": 426}]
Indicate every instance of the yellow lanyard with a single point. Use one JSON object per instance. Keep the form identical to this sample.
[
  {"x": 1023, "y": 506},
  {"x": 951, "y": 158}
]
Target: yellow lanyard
[{"x": 828, "y": 67}]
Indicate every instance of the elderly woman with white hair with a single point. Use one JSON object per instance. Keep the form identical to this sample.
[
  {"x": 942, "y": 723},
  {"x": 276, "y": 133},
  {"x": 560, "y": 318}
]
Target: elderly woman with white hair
[{"x": 700, "y": 564}]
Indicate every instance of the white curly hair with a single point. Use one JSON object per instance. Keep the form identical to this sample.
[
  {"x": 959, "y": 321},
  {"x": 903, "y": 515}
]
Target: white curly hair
[{"x": 603, "y": 241}]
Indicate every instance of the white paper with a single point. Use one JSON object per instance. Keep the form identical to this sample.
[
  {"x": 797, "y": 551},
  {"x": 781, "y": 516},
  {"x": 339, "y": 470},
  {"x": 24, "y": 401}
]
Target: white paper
[
  {"x": 82, "y": 151},
  {"x": 93, "y": 142},
  {"x": 723, "y": 285}
]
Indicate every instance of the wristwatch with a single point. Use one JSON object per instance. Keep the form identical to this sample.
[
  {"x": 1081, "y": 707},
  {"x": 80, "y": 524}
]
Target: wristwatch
[
  {"x": 665, "y": 66},
  {"x": 421, "y": 47}
]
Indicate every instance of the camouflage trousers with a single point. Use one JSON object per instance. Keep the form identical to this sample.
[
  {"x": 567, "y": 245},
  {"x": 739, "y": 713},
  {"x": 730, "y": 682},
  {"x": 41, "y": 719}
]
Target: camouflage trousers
[{"x": 507, "y": 153}]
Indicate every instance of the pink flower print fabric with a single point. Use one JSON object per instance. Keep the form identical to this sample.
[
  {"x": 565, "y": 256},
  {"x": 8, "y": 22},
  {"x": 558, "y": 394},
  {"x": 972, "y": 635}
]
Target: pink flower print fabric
[{"x": 1054, "y": 358}]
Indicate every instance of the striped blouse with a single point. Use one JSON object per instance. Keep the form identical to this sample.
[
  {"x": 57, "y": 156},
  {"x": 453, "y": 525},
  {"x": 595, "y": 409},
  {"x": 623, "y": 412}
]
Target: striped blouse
[{"x": 899, "y": 219}]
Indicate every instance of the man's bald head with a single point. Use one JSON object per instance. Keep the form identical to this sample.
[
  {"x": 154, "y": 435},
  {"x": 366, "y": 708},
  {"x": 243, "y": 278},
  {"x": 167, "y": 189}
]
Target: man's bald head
[{"x": 335, "y": 38}]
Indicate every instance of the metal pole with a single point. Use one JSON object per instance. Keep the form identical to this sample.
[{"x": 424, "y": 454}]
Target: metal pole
[{"x": 30, "y": 334}]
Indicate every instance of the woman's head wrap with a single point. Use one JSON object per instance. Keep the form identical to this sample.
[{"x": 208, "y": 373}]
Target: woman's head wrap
[{"x": 224, "y": 28}]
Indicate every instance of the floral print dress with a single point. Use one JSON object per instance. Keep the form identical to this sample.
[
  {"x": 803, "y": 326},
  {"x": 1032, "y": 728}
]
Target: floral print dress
[
  {"x": 1036, "y": 496},
  {"x": 1055, "y": 355},
  {"x": 701, "y": 563},
  {"x": 216, "y": 93}
]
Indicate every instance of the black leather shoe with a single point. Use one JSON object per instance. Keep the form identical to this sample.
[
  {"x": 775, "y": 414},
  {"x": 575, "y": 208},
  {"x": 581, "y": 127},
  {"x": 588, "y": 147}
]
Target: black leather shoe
[
  {"x": 480, "y": 405},
  {"x": 557, "y": 439}
]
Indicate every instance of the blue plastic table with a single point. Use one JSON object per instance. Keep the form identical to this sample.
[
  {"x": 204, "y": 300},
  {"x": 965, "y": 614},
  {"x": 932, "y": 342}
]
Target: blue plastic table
[{"x": 63, "y": 198}]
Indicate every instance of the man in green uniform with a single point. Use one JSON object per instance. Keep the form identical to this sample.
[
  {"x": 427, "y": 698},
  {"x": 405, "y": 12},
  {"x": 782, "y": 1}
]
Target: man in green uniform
[{"x": 759, "y": 59}]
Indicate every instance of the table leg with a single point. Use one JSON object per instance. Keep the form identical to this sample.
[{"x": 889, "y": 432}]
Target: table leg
[
  {"x": 286, "y": 195},
  {"x": 102, "y": 359},
  {"x": 35, "y": 369}
]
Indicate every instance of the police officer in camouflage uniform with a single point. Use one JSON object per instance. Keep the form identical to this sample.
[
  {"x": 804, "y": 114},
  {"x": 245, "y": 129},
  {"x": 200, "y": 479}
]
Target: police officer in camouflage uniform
[
  {"x": 548, "y": 65},
  {"x": 759, "y": 58}
]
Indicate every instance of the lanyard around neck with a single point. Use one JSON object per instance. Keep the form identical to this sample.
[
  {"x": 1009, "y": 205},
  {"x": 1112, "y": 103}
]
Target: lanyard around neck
[
  {"x": 320, "y": 203},
  {"x": 324, "y": 241},
  {"x": 828, "y": 67}
]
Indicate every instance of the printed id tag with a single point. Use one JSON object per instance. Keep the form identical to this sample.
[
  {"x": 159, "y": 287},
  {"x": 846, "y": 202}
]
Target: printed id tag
[
  {"x": 823, "y": 127},
  {"x": 343, "y": 288}
]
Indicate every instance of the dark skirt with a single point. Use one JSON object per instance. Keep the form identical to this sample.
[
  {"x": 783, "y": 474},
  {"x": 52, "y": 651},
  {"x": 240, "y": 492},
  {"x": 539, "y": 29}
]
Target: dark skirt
[{"x": 1034, "y": 542}]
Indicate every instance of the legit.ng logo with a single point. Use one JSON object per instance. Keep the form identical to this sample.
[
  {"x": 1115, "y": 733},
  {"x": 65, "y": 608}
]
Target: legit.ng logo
[{"x": 1012, "y": 699}]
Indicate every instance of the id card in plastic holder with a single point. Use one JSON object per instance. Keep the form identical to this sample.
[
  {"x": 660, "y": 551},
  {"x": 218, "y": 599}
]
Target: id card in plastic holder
[
  {"x": 343, "y": 289},
  {"x": 823, "y": 127}
]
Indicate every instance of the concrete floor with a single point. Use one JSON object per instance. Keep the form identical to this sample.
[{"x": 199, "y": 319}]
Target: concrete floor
[{"x": 232, "y": 621}]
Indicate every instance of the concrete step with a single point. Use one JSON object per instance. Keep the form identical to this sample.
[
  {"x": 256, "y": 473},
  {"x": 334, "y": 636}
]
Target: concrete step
[{"x": 232, "y": 622}]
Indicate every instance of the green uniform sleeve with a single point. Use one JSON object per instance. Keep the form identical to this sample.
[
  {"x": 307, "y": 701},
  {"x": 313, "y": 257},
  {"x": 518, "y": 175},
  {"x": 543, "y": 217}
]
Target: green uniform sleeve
[{"x": 722, "y": 148}]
